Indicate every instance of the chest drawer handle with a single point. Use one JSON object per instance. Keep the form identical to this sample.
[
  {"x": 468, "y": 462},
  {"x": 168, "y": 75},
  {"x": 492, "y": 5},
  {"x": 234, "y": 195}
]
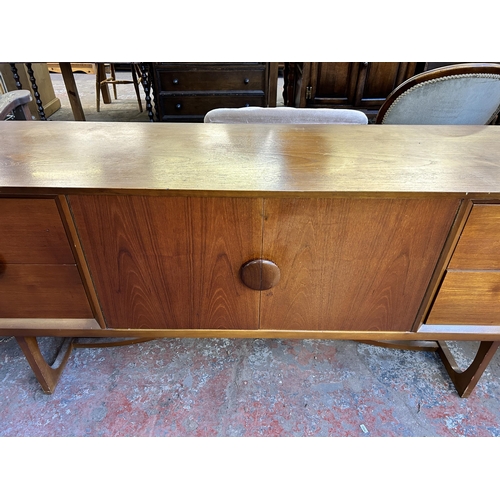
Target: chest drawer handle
[
  {"x": 246, "y": 81},
  {"x": 260, "y": 274},
  {"x": 175, "y": 81},
  {"x": 178, "y": 105}
]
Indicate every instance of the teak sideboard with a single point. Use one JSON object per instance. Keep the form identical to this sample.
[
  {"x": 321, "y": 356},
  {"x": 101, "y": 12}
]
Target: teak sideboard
[{"x": 379, "y": 233}]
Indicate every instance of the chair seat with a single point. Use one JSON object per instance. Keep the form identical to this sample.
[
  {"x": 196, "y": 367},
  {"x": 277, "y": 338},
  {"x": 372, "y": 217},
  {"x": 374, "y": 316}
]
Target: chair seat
[{"x": 255, "y": 114}]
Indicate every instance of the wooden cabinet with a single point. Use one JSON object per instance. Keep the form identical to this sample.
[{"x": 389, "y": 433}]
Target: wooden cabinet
[
  {"x": 44, "y": 86},
  {"x": 354, "y": 85},
  {"x": 384, "y": 234},
  {"x": 187, "y": 91}
]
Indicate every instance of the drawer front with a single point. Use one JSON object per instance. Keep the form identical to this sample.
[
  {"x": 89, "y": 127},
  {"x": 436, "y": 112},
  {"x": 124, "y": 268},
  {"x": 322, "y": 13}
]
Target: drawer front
[
  {"x": 31, "y": 232},
  {"x": 212, "y": 80},
  {"x": 467, "y": 298},
  {"x": 198, "y": 107},
  {"x": 479, "y": 243},
  {"x": 42, "y": 291}
]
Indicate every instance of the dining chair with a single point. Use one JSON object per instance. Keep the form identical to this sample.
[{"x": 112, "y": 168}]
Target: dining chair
[
  {"x": 14, "y": 105},
  {"x": 102, "y": 79},
  {"x": 255, "y": 114},
  {"x": 459, "y": 94}
]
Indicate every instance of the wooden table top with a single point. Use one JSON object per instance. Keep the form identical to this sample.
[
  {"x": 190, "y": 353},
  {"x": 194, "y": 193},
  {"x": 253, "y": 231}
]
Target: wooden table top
[{"x": 240, "y": 160}]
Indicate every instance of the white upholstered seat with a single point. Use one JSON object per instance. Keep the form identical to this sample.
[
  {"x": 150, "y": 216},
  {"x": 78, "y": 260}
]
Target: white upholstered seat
[{"x": 254, "y": 114}]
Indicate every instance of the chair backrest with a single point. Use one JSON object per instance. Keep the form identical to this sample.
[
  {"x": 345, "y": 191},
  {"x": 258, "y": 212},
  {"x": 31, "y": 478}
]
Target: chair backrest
[
  {"x": 460, "y": 94},
  {"x": 15, "y": 99},
  {"x": 254, "y": 114}
]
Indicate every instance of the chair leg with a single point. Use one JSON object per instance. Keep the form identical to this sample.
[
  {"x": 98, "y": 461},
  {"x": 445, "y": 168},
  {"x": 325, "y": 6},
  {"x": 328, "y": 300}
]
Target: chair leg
[
  {"x": 47, "y": 375},
  {"x": 113, "y": 77},
  {"x": 98, "y": 89},
  {"x": 136, "y": 86}
]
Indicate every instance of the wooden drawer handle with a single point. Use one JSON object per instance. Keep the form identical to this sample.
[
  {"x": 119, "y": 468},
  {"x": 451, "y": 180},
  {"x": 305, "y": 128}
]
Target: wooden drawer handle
[{"x": 260, "y": 274}]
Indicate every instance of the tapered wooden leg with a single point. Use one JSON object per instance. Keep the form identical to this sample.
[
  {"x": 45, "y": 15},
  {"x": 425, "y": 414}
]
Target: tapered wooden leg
[
  {"x": 465, "y": 381},
  {"x": 47, "y": 375}
]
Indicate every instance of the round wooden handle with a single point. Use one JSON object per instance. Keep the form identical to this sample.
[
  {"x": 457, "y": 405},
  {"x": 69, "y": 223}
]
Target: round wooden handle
[{"x": 260, "y": 274}]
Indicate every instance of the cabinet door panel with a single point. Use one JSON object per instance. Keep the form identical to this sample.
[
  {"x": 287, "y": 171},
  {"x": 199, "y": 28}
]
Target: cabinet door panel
[
  {"x": 161, "y": 262},
  {"x": 351, "y": 264}
]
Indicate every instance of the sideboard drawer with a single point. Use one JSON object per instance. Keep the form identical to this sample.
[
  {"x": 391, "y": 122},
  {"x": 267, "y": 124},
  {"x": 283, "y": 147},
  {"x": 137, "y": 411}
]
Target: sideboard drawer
[
  {"x": 467, "y": 298},
  {"x": 479, "y": 244},
  {"x": 196, "y": 107},
  {"x": 31, "y": 232},
  {"x": 200, "y": 80},
  {"x": 42, "y": 291}
]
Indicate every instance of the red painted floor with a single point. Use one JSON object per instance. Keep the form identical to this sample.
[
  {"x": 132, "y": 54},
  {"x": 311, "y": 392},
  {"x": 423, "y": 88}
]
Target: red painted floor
[{"x": 225, "y": 387}]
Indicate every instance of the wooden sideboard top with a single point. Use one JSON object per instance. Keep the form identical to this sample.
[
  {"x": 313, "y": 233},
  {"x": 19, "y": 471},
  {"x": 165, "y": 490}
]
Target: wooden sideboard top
[{"x": 57, "y": 157}]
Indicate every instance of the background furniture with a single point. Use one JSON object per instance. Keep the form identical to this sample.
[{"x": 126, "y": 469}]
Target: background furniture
[
  {"x": 15, "y": 103},
  {"x": 187, "y": 91},
  {"x": 43, "y": 91},
  {"x": 461, "y": 94},
  {"x": 354, "y": 85},
  {"x": 285, "y": 115},
  {"x": 102, "y": 82},
  {"x": 269, "y": 231}
]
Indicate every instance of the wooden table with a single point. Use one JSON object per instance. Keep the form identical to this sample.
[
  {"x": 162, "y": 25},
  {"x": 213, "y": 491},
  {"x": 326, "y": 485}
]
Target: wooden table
[{"x": 373, "y": 233}]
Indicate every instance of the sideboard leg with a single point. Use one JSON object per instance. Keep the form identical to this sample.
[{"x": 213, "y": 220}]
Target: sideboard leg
[
  {"x": 465, "y": 381},
  {"x": 47, "y": 375}
]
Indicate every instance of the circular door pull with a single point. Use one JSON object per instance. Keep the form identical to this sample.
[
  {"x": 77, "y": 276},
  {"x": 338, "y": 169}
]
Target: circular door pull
[{"x": 260, "y": 274}]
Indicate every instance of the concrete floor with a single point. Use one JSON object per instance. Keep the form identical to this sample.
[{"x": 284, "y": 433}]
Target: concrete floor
[
  {"x": 240, "y": 387},
  {"x": 246, "y": 387}
]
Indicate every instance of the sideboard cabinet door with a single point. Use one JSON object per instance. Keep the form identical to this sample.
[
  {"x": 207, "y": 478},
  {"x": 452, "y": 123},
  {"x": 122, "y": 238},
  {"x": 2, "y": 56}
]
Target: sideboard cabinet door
[
  {"x": 171, "y": 262},
  {"x": 351, "y": 264}
]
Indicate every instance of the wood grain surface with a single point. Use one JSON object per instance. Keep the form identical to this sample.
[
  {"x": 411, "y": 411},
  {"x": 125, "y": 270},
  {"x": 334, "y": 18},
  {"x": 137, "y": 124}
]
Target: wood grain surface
[
  {"x": 42, "y": 291},
  {"x": 171, "y": 262},
  {"x": 479, "y": 244},
  {"x": 351, "y": 264},
  {"x": 31, "y": 232},
  {"x": 216, "y": 159},
  {"x": 467, "y": 298}
]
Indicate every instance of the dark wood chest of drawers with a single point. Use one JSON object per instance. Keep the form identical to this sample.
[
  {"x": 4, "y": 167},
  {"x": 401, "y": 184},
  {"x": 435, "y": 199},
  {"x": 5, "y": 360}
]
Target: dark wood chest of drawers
[{"x": 185, "y": 92}]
